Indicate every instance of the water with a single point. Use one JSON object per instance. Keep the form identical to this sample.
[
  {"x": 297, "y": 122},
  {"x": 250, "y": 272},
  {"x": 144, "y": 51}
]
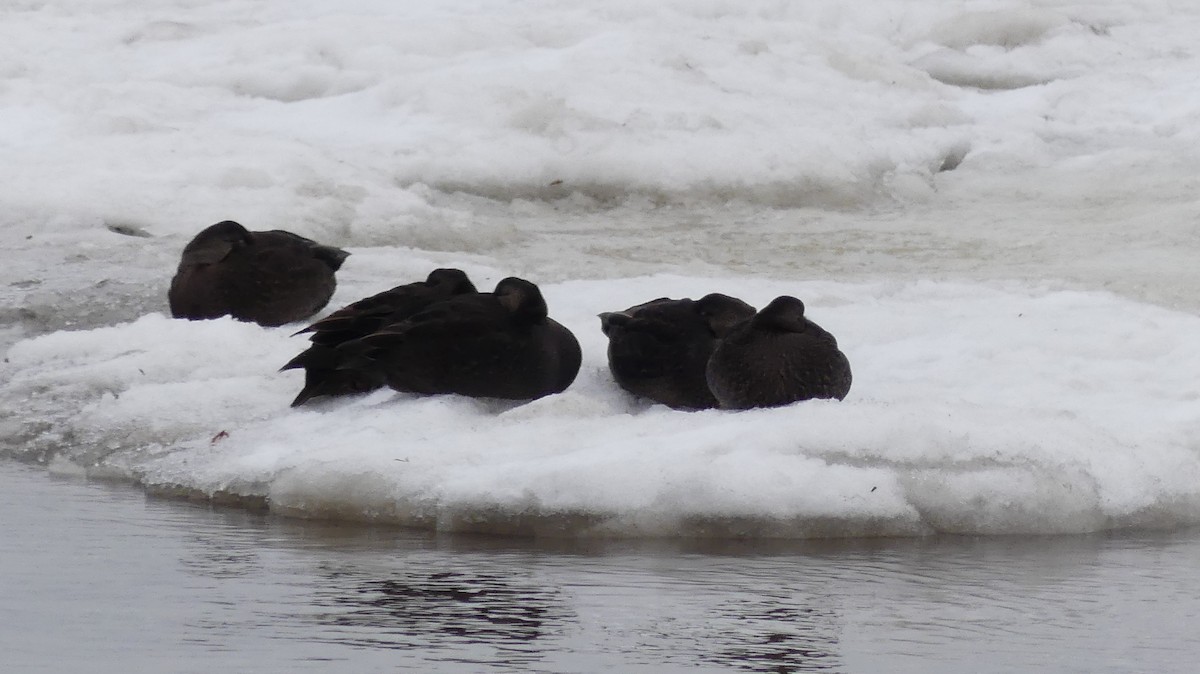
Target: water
[{"x": 106, "y": 580}]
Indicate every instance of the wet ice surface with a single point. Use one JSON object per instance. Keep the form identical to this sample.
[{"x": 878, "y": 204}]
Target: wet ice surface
[
  {"x": 980, "y": 202},
  {"x": 976, "y": 409}
]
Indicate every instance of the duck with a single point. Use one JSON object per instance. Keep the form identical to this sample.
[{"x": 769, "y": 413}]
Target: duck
[
  {"x": 270, "y": 278},
  {"x": 323, "y": 371},
  {"x": 659, "y": 349},
  {"x": 500, "y": 344},
  {"x": 776, "y": 358}
]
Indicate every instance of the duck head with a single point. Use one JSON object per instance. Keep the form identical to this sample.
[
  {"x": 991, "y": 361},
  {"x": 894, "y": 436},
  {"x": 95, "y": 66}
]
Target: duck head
[
  {"x": 454, "y": 281},
  {"x": 722, "y": 312},
  {"x": 521, "y": 298},
  {"x": 215, "y": 242},
  {"x": 784, "y": 314}
]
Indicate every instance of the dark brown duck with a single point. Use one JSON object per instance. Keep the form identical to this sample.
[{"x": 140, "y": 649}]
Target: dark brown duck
[
  {"x": 776, "y": 358},
  {"x": 500, "y": 344},
  {"x": 270, "y": 278},
  {"x": 324, "y": 371},
  {"x": 659, "y": 350}
]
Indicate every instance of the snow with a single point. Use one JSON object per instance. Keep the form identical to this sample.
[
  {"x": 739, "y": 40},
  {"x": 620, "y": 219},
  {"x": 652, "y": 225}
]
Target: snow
[{"x": 991, "y": 205}]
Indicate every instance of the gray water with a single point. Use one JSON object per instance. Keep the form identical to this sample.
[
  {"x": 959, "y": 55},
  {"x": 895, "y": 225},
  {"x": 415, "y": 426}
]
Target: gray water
[{"x": 97, "y": 577}]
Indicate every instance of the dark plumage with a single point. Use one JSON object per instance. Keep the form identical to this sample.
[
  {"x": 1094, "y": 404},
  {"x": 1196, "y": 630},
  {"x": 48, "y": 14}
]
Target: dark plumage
[
  {"x": 776, "y": 358},
  {"x": 659, "y": 350},
  {"x": 269, "y": 278},
  {"x": 492, "y": 345},
  {"x": 322, "y": 360}
]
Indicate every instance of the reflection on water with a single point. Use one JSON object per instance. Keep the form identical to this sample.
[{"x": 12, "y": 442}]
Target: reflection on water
[
  {"x": 216, "y": 558},
  {"x": 98, "y": 578},
  {"x": 434, "y": 610},
  {"x": 778, "y": 637}
]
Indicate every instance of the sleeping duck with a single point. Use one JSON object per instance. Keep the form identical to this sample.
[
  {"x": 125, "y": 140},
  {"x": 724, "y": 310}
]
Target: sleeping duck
[
  {"x": 776, "y": 358},
  {"x": 269, "y": 278},
  {"x": 500, "y": 344},
  {"x": 659, "y": 350},
  {"x": 323, "y": 372}
]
